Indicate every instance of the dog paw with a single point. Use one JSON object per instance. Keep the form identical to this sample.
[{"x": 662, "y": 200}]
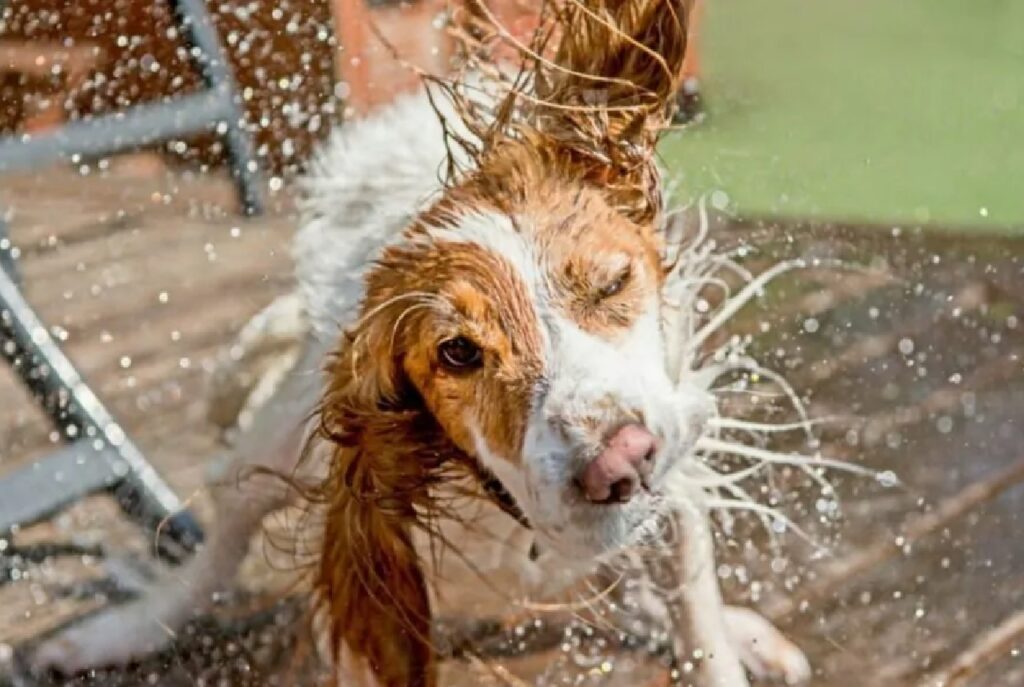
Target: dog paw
[
  {"x": 113, "y": 637},
  {"x": 765, "y": 651}
]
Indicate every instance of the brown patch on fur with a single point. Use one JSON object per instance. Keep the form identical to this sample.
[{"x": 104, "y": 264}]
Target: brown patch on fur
[
  {"x": 584, "y": 243},
  {"x": 369, "y": 573},
  {"x": 397, "y": 420},
  {"x": 485, "y": 301},
  {"x": 604, "y": 268}
]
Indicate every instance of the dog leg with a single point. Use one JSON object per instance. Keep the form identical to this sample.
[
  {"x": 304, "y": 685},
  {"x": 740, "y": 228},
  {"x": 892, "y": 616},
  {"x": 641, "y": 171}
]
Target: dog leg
[
  {"x": 765, "y": 651},
  {"x": 719, "y": 641},
  {"x": 149, "y": 623},
  {"x": 704, "y": 651}
]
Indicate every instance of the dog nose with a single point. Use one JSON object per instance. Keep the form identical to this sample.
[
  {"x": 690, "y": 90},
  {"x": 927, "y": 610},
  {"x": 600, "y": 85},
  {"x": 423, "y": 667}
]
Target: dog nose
[{"x": 621, "y": 468}]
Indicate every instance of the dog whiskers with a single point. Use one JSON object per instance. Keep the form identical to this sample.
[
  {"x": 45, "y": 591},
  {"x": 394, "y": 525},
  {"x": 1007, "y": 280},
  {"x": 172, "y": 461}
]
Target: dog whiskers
[
  {"x": 767, "y": 427},
  {"x": 688, "y": 329},
  {"x": 728, "y": 309},
  {"x": 714, "y": 445},
  {"x": 772, "y": 515},
  {"x": 709, "y": 478}
]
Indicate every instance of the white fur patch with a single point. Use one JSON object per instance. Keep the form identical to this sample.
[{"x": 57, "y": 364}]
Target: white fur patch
[
  {"x": 367, "y": 184},
  {"x": 597, "y": 382},
  {"x": 587, "y": 381},
  {"x": 498, "y": 234}
]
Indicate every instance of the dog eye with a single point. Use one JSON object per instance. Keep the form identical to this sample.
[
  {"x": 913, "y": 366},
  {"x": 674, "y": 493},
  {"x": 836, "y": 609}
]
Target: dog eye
[
  {"x": 460, "y": 353},
  {"x": 615, "y": 286}
]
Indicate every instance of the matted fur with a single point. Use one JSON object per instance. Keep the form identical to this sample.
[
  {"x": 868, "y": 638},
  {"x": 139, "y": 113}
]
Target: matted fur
[{"x": 596, "y": 84}]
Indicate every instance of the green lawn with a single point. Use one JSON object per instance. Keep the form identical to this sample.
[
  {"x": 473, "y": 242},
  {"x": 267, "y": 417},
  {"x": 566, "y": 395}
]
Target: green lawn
[{"x": 908, "y": 111}]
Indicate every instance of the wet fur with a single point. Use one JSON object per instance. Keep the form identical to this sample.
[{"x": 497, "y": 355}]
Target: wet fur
[{"x": 390, "y": 451}]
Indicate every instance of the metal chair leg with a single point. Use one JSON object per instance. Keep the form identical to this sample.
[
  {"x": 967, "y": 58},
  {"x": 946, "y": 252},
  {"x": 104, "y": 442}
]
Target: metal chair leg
[
  {"x": 212, "y": 62},
  {"x": 45, "y": 486},
  {"x": 113, "y": 461},
  {"x": 7, "y": 250}
]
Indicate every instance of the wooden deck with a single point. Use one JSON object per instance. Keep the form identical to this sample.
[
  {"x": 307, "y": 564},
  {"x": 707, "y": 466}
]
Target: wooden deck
[
  {"x": 144, "y": 281},
  {"x": 145, "y": 278}
]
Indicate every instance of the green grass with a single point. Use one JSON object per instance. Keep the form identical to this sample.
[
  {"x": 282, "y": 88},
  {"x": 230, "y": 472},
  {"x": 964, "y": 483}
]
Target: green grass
[{"x": 889, "y": 111}]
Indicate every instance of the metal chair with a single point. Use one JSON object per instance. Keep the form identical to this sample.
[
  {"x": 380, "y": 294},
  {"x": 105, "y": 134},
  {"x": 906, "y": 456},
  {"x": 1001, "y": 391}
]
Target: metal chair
[
  {"x": 98, "y": 455},
  {"x": 216, "y": 105}
]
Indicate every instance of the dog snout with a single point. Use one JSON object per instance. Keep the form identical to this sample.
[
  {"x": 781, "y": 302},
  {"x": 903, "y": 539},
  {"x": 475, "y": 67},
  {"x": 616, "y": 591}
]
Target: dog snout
[{"x": 624, "y": 465}]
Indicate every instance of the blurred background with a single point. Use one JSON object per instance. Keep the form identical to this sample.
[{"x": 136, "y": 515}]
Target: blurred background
[
  {"x": 886, "y": 135},
  {"x": 881, "y": 112}
]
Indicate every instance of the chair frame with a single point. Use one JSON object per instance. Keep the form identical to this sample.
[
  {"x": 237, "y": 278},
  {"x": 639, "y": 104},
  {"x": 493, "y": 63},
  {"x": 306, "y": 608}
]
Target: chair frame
[{"x": 98, "y": 455}]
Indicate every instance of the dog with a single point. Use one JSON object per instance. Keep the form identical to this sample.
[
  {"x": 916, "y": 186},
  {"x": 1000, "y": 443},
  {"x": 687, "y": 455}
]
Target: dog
[{"x": 484, "y": 391}]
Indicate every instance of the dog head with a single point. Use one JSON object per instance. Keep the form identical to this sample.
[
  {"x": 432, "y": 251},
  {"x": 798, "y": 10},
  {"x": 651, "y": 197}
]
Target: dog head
[{"x": 529, "y": 332}]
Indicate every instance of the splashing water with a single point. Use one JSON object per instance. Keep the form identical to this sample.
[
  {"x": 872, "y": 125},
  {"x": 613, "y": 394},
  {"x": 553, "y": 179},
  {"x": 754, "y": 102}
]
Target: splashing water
[{"x": 689, "y": 324}]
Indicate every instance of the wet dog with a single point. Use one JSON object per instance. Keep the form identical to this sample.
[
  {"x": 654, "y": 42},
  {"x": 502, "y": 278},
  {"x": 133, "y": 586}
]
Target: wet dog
[{"x": 488, "y": 373}]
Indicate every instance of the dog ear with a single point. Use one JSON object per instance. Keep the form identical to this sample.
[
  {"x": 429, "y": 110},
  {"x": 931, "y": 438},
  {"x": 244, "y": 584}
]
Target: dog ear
[
  {"x": 599, "y": 100},
  {"x": 610, "y": 90},
  {"x": 369, "y": 582},
  {"x": 370, "y": 578},
  {"x": 621, "y": 57},
  {"x": 591, "y": 108}
]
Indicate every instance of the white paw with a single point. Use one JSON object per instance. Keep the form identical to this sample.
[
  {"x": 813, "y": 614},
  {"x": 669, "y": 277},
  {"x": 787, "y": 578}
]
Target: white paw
[
  {"x": 765, "y": 651},
  {"x": 113, "y": 637}
]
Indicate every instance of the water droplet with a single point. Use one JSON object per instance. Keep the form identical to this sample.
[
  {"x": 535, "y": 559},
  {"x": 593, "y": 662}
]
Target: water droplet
[
  {"x": 887, "y": 478},
  {"x": 115, "y": 435},
  {"x": 719, "y": 200}
]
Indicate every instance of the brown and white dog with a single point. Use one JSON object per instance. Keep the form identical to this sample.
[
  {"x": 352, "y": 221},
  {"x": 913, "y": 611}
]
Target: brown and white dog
[{"x": 501, "y": 391}]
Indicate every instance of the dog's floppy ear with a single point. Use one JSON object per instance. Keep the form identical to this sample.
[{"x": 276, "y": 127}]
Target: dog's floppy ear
[
  {"x": 622, "y": 57},
  {"x": 598, "y": 87},
  {"x": 611, "y": 90},
  {"x": 369, "y": 582}
]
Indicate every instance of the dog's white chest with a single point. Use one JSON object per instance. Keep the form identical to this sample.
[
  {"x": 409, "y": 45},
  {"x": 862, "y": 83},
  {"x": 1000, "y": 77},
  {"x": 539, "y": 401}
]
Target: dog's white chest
[{"x": 491, "y": 567}]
